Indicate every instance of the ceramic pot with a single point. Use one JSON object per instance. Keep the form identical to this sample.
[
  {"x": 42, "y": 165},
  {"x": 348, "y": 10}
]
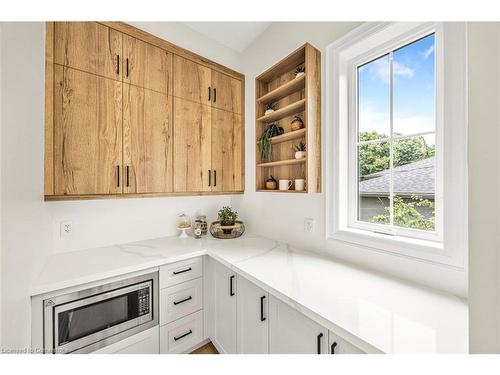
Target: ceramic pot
[
  {"x": 271, "y": 185},
  {"x": 300, "y": 154},
  {"x": 299, "y": 74},
  {"x": 268, "y": 111}
]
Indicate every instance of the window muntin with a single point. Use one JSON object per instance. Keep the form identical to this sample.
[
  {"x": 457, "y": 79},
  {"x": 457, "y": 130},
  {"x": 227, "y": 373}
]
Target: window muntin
[{"x": 396, "y": 130}]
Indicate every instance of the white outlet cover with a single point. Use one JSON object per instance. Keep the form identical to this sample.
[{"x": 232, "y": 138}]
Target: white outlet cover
[
  {"x": 66, "y": 228},
  {"x": 308, "y": 225}
]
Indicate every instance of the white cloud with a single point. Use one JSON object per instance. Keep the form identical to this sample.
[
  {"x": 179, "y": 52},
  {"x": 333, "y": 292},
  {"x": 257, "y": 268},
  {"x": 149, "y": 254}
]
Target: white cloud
[
  {"x": 380, "y": 70},
  {"x": 370, "y": 120},
  {"x": 402, "y": 70},
  {"x": 427, "y": 52}
]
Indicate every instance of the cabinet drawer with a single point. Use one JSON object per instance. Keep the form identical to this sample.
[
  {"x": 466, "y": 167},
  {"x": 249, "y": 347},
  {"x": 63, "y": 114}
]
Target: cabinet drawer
[
  {"x": 180, "y": 300},
  {"x": 182, "y": 335},
  {"x": 175, "y": 273}
]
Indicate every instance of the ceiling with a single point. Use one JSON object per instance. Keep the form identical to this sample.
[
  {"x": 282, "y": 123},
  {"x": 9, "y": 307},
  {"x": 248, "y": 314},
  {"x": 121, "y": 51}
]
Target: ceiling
[{"x": 235, "y": 35}]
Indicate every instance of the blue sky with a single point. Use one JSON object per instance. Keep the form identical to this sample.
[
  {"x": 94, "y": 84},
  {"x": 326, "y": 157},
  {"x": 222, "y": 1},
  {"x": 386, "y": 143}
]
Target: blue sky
[{"x": 413, "y": 90}]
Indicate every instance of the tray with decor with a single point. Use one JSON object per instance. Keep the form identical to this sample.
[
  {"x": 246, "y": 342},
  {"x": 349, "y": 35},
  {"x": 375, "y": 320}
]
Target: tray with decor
[{"x": 218, "y": 230}]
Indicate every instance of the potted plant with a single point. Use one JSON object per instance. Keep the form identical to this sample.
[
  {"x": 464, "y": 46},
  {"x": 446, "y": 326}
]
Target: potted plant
[
  {"x": 265, "y": 145},
  {"x": 297, "y": 123},
  {"x": 271, "y": 183},
  {"x": 300, "y": 150},
  {"x": 299, "y": 71},
  {"x": 227, "y": 217},
  {"x": 269, "y": 108}
]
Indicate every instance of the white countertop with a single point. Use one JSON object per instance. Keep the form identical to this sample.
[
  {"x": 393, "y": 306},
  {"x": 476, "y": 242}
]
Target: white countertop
[{"x": 373, "y": 311}]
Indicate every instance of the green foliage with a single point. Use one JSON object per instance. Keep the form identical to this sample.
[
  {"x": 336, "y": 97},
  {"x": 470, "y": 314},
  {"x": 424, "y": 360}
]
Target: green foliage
[
  {"x": 265, "y": 145},
  {"x": 299, "y": 69},
  {"x": 272, "y": 106},
  {"x": 227, "y": 216},
  {"x": 406, "y": 213},
  {"x": 300, "y": 147},
  {"x": 374, "y": 157}
]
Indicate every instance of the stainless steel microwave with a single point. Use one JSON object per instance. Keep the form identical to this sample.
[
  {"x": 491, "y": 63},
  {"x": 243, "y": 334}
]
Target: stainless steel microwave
[{"x": 86, "y": 320}]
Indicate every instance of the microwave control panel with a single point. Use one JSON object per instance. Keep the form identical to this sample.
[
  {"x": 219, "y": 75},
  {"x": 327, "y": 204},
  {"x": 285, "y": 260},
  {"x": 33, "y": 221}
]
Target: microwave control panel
[{"x": 143, "y": 301}]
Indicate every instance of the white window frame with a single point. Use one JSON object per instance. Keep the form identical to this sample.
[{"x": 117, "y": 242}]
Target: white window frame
[{"x": 448, "y": 243}]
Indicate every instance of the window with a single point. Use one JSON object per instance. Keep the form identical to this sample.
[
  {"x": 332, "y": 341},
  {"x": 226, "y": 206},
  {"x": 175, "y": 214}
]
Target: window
[{"x": 396, "y": 140}]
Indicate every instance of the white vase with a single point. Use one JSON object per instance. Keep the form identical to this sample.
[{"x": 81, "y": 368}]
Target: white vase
[
  {"x": 268, "y": 111},
  {"x": 300, "y": 154},
  {"x": 299, "y": 74}
]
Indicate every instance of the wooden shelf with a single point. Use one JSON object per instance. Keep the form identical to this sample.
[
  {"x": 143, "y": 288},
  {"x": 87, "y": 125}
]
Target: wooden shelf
[
  {"x": 284, "y": 112},
  {"x": 288, "y": 136},
  {"x": 281, "y": 191},
  {"x": 282, "y": 162},
  {"x": 288, "y": 88}
]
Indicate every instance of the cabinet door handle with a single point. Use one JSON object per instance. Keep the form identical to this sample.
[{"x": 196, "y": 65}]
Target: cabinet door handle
[
  {"x": 231, "y": 293},
  {"x": 126, "y": 67},
  {"x": 333, "y": 348},
  {"x": 209, "y": 177},
  {"x": 209, "y": 92},
  {"x": 215, "y": 178},
  {"x": 215, "y": 95},
  {"x": 127, "y": 175},
  {"x": 118, "y": 64},
  {"x": 178, "y": 272},
  {"x": 117, "y": 176},
  {"x": 262, "y": 317},
  {"x": 319, "y": 342},
  {"x": 184, "y": 335},
  {"x": 183, "y": 300}
]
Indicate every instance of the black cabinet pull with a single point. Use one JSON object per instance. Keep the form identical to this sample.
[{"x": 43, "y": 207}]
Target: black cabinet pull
[
  {"x": 117, "y": 176},
  {"x": 215, "y": 95},
  {"x": 178, "y": 272},
  {"x": 183, "y": 300},
  {"x": 209, "y": 92},
  {"x": 209, "y": 177},
  {"x": 333, "y": 348},
  {"x": 126, "y": 67},
  {"x": 215, "y": 178},
  {"x": 262, "y": 317},
  {"x": 127, "y": 175},
  {"x": 184, "y": 335},
  {"x": 231, "y": 293},
  {"x": 117, "y": 64},
  {"x": 319, "y": 342}
]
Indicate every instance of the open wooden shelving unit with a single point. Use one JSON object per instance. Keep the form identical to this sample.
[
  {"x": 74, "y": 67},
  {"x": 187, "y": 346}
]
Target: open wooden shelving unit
[{"x": 292, "y": 95}]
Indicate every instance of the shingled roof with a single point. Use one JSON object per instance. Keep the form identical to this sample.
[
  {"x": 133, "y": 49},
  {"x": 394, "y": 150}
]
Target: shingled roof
[{"x": 414, "y": 178}]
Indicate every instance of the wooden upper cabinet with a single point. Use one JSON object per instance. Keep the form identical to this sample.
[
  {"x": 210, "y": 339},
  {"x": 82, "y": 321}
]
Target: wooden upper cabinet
[
  {"x": 192, "y": 81},
  {"x": 147, "y": 141},
  {"x": 227, "y": 151},
  {"x": 87, "y": 133},
  {"x": 192, "y": 146},
  {"x": 88, "y": 46},
  {"x": 227, "y": 92},
  {"x": 146, "y": 65}
]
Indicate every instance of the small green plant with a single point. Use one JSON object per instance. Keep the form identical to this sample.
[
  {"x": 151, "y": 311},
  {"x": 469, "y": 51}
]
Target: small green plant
[
  {"x": 299, "y": 69},
  {"x": 300, "y": 147},
  {"x": 227, "y": 216},
  {"x": 271, "y": 178},
  {"x": 265, "y": 145},
  {"x": 270, "y": 106}
]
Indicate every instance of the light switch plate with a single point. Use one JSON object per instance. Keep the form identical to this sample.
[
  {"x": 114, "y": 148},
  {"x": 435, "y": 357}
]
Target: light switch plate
[
  {"x": 308, "y": 225},
  {"x": 66, "y": 228}
]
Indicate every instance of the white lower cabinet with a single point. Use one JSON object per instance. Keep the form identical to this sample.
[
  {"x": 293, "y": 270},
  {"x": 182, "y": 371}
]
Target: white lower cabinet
[
  {"x": 182, "y": 335},
  {"x": 145, "y": 342},
  {"x": 338, "y": 345},
  {"x": 291, "y": 332},
  {"x": 225, "y": 309},
  {"x": 180, "y": 300},
  {"x": 252, "y": 318}
]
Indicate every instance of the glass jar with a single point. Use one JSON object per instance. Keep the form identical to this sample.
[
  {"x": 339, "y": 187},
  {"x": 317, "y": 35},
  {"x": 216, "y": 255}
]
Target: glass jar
[
  {"x": 183, "y": 222},
  {"x": 197, "y": 232},
  {"x": 202, "y": 220}
]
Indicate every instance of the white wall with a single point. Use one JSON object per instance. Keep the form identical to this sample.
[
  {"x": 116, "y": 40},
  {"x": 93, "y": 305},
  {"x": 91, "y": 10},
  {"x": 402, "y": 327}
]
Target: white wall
[
  {"x": 281, "y": 216},
  {"x": 484, "y": 187},
  {"x": 29, "y": 225},
  {"x": 0, "y": 186}
]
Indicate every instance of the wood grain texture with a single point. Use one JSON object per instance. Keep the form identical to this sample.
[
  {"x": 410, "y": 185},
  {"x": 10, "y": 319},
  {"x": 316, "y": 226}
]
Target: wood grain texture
[
  {"x": 147, "y": 140},
  {"x": 192, "y": 81},
  {"x": 49, "y": 110},
  {"x": 227, "y": 150},
  {"x": 135, "y": 195},
  {"x": 88, "y": 46},
  {"x": 146, "y": 65},
  {"x": 192, "y": 146},
  {"x": 206, "y": 349},
  {"x": 87, "y": 133},
  {"x": 228, "y": 95}
]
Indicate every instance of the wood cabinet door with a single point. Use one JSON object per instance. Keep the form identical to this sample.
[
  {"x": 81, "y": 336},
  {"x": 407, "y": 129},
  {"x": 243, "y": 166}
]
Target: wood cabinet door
[
  {"x": 89, "y": 46},
  {"x": 228, "y": 92},
  {"x": 253, "y": 318},
  {"x": 192, "y": 81},
  {"x": 147, "y": 141},
  {"x": 192, "y": 146},
  {"x": 87, "y": 133},
  {"x": 227, "y": 151},
  {"x": 146, "y": 65},
  {"x": 225, "y": 309}
]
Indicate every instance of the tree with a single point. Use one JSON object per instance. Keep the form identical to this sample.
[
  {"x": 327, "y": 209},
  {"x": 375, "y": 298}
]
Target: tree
[{"x": 406, "y": 213}]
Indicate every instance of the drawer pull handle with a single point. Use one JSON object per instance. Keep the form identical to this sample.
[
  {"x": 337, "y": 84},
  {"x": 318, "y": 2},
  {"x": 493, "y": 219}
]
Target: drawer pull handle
[
  {"x": 262, "y": 317},
  {"x": 209, "y": 90},
  {"x": 183, "y": 300},
  {"x": 184, "y": 335},
  {"x": 178, "y": 272},
  {"x": 231, "y": 293},
  {"x": 319, "y": 342},
  {"x": 333, "y": 347}
]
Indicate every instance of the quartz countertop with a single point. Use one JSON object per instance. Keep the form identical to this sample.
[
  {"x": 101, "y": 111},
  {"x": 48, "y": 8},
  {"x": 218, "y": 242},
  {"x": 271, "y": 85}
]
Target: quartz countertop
[{"x": 375, "y": 312}]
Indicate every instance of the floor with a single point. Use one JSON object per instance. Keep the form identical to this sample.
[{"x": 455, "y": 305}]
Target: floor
[{"x": 206, "y": 349}]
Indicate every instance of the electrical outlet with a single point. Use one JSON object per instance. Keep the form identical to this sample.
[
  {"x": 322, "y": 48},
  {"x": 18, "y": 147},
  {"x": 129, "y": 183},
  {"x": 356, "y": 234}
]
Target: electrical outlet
[
  {"x": 66, "y": 228},
  {"x": 308, "y": 225}
]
